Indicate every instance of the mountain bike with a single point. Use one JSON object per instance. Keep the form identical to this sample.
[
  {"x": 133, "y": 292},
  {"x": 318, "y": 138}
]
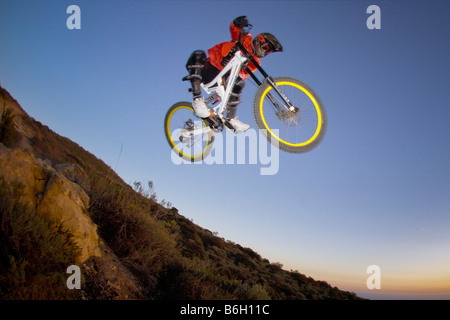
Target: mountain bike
[{"x": 289, "y": 113}]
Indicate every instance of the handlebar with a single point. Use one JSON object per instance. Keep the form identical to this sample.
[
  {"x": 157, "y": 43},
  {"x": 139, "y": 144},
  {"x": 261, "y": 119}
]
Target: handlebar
[
  {"x": 241, "y": 47},
  {"x": 229, "y": 56}
]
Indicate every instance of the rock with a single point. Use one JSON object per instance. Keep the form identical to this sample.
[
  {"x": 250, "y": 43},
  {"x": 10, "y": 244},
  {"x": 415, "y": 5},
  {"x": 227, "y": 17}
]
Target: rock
[
  {"x": 49, "y": 192},
  {"x": 20, "y": 166},
  {"x": 65, "y": 201},
  {"x": 74, "y": 173},
  {"x": 61, "y": 192}
]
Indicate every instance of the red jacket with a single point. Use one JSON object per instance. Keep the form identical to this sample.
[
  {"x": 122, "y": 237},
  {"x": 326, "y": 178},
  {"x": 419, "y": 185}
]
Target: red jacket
[{"x": 220, "y": 50}]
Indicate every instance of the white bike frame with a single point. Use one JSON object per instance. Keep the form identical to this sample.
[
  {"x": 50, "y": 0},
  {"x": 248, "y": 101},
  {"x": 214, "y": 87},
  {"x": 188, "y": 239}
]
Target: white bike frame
[
  {"x": 223, "y": 91},
  {"x": 217, "y": 86}
]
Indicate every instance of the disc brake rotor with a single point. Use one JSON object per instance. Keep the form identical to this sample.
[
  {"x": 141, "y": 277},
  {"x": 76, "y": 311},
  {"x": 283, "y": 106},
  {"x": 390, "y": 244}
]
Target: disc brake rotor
[{"x": 289, "y": 118}]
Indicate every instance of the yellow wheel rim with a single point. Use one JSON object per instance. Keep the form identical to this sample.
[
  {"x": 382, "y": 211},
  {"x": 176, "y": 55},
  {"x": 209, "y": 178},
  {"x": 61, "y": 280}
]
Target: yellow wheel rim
[
  {"x": 173, "y": 144},
  {"x": 316, "y": 106}
]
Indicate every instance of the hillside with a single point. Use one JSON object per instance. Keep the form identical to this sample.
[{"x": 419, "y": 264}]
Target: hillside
[{"x": 60, "y": 205}]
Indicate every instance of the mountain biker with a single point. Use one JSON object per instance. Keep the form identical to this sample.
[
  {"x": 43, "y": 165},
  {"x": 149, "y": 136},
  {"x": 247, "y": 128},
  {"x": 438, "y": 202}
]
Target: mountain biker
[{"x": 204, "y": 70}]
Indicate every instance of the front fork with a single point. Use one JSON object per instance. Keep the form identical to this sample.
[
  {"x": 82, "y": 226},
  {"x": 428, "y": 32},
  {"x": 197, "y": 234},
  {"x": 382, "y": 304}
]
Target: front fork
[
  {"x": 287, "y": 103},
  {"x": 288, "y": 106}
]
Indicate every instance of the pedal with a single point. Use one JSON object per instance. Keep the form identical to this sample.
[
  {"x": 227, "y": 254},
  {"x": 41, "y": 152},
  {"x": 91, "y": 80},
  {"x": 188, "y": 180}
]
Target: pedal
[{"x": 229, "y": 126}]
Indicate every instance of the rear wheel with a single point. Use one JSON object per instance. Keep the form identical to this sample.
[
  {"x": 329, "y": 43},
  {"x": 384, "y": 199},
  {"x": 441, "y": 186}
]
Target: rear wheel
[
  {"x": 188, "y": 136},
  {"x": 292, "y": 131}
]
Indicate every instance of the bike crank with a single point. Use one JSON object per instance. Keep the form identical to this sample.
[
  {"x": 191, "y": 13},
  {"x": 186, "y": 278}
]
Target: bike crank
[{"x": 215, "y": 123}]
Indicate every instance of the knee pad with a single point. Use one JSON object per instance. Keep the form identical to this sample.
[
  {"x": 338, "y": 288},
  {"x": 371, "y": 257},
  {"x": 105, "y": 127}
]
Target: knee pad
[
  {"x": 196, "y": 61},
  {"x": 194, "y": 65},
  {"x": 235, "y": 95}
]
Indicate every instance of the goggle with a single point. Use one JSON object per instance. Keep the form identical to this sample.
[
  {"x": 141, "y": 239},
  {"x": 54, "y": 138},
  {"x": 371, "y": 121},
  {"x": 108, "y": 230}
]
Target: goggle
[
  {"x": 246, "y": 29},
  {"x": 265, "y": 45}
]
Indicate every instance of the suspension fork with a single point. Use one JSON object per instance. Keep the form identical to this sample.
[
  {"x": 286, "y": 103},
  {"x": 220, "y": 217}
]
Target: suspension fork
[{"x": 288, "y": 104}]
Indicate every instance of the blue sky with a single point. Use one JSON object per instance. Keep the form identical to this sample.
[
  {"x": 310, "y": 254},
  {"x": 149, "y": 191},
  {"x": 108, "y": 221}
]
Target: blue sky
[{"x": 374, "y": 192}]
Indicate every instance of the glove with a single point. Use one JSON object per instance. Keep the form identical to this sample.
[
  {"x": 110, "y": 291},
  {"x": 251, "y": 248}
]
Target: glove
[
  {"x": 228, "y": 57},
  {"x": 225, "y": 60},
  {"x": 241, "y": 22}
]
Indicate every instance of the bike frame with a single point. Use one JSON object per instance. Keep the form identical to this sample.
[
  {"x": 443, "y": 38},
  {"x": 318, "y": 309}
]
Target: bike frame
[
  {"x": 224, "y": 90},
  {"x": 241, "y": 56}
]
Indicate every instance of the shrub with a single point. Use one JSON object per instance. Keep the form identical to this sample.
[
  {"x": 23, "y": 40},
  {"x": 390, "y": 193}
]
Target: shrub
[
  {"x": 193, "y": 279},
  {"x": 34, "y": 252},
  {"x": 144, "y": 244},
  {"x": 255, "y": 292}
]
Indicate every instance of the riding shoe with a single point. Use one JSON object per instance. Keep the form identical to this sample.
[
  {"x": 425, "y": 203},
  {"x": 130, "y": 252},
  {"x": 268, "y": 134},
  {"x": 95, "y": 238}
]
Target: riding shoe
[
  {"x": 200, "y": 108},
  {"x": 238, "y": 125}
]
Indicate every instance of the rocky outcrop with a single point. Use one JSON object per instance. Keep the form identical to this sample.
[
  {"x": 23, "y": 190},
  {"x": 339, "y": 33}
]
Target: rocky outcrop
[
  {"x": 60, "y": 192},
  {"x": 57, "y": 193}
]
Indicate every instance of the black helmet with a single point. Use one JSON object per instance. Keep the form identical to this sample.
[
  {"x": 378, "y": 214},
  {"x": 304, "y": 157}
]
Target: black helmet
[{"x": 265, "y": 43}]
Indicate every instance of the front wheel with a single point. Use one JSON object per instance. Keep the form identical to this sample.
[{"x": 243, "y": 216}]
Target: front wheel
[
  {"x": 292, "y": 131},
  {"x": 188, "y": 136}
]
